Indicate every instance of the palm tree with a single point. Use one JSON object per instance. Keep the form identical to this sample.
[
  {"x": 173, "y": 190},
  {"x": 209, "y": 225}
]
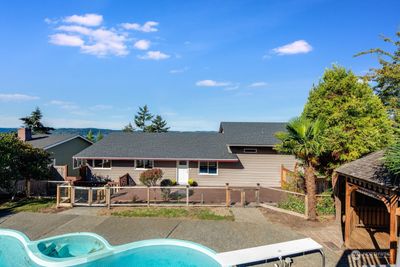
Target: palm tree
[{"x": 303, "y": 140}]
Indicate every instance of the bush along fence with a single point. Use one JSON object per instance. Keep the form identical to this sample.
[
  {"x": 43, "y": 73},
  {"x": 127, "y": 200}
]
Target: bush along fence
[{"x": 115, "y": 196}]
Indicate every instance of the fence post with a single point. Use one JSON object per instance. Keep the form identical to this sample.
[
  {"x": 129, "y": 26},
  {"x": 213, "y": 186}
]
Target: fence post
[
  {"x": 90, "y": 196},
  {"x": 148, "y": 196},
  {"x": 72, "y": 192},
  {"x": 58, "y": 196},
  {"x": 242, "y": 197},
  {"x": 108, "y": 196},
  {"x": 306, "y": 205},
  {"x": 227, "y": 195},
  {"x": 187, "y": 195},
  {"x": 258, "y": 195}
]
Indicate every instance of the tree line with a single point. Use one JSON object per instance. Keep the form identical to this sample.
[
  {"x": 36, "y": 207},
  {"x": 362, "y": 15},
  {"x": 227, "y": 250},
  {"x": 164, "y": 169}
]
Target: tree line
[{"x": 147, "y": 122}]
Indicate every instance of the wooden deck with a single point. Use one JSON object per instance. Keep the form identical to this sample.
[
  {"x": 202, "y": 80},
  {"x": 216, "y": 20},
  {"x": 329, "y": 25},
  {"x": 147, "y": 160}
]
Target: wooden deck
[{"x": 363, "y": 238}]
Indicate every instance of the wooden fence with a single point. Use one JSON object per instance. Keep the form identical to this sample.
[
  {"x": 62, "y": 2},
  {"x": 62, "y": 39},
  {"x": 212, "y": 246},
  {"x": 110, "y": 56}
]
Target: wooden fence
[{"x": 115, "y": 196}]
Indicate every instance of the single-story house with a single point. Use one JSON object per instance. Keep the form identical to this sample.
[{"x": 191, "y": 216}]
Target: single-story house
[
  {"x": 369, "y": 204},
  {"x": 240, "y": 153},
  {"x": 60, "y": 146}
]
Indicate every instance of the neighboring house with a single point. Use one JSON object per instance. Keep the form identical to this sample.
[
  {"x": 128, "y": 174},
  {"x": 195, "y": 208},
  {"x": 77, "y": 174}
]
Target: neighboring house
[
  {"x": 60, "y": 146},
  {"x": 241, "y": 154},
  {"x": 369, "y": 204}
]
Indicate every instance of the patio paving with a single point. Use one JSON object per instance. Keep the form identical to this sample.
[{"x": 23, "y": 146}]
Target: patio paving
[{"x": 218, "y": 235}]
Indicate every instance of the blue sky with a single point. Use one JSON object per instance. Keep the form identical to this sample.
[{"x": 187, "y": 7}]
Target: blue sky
[{"x": 196, "y": 63}]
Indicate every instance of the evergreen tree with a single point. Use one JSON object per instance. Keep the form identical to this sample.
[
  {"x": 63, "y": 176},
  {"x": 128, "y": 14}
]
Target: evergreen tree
[
  {"x": 90, "y": 136},
  {"x": 99, "y": 136},
  {"x": 356, "y": 120},
  {"x": 142, "y": 117},
  {"x": 128, "y": 128},
  {"x": 34, "y": 123},
  {"x": 386, "y": 79},
  {"x": 158, "y": 125}
]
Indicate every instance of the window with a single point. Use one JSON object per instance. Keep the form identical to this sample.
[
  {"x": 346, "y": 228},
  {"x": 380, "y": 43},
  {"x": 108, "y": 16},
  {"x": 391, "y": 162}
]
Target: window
[
  {"x": 99, "y": 163},
  {"x": 208, "y": 167},
  {"x": 250, "y": 150},
  {"x": 144, "y": 164},
  {"x": 76, "y": 163}
]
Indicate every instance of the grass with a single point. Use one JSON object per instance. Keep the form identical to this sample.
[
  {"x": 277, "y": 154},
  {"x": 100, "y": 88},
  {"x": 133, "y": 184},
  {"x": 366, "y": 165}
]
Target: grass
[
  {"x": 31, "y": 205},
  {"x": 189, "y": 213}
]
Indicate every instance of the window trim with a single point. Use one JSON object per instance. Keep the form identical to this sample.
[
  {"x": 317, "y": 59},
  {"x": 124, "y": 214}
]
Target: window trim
[
  {"x": 208, "y": 167},
  {"x": 102, "y": 163},
  {"x": 250, "y": 150},
  {"x": 144, "y": 169}
]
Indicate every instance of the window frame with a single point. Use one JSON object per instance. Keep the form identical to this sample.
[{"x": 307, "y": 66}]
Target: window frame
[
  {"x": 208, "y": 168},
  {"x": 144, "y": 165},
  {"x": 250, "y": 150},
  {"x": 102, "y": 164}
]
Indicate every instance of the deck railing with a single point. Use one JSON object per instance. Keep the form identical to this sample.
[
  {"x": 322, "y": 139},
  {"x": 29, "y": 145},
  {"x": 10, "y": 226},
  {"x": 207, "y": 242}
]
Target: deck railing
[{"x": 114, "y": 196}]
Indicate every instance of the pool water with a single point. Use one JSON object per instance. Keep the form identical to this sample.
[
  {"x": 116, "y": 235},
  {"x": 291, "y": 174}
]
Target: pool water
[
  {"x": 90, "y": 250},
  {"x": 155, "y": 256}
]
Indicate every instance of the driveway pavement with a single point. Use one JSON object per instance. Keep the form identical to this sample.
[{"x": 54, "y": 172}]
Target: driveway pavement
[{"x": 218, "y": 235}]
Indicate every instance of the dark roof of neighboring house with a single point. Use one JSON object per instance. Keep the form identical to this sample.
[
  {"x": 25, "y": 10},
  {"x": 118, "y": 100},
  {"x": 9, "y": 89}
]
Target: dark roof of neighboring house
[
  {"x": 251, "y": 133},
  {"x": 171, "y": 145},
  {"x": 369, "y": 168},
  {"x": 46, "y": 141}
]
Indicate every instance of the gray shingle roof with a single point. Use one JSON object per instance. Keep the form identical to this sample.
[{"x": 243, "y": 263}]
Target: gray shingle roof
[
  {"x": 171, "y": 145},
  {"x": 369, "y": 168},
  {"x": 252, "y": 133},
  {"x": 46, "y": 140}
]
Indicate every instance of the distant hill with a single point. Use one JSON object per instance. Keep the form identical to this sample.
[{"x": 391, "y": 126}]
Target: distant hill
[{"x": 81, "y": 131}]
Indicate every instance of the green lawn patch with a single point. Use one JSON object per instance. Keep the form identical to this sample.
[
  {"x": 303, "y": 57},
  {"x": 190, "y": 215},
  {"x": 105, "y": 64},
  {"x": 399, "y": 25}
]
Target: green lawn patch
[
  {"x": 31, "y": 205},
  {"x": 190, "y": 213}
]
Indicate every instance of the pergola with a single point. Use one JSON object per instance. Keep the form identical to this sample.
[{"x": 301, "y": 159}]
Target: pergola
[{"x": 368, "y": 177}]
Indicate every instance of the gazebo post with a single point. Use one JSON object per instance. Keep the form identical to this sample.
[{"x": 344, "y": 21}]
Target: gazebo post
[
  {"x": 348, "y": 212},
  {"x": 393, "y": 228}
]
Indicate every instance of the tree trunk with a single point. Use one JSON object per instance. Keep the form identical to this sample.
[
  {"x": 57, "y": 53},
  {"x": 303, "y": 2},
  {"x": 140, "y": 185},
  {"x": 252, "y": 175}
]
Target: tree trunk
[
  {"x": 338, "y": 205},
  {"x": 310, "y": 186}
]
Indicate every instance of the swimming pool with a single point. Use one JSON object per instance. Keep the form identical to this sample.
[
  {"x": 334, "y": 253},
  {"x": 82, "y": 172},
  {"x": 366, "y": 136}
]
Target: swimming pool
[{"x": 89, "y": 250}]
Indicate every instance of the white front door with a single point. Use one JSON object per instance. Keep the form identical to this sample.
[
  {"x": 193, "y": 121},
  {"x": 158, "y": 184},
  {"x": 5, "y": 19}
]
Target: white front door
[{"x": 182, "y": 172}]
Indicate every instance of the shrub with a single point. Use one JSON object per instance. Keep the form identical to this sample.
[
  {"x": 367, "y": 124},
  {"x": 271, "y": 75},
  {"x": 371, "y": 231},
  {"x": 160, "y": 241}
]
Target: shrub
[
  {"x": 166, "y": 182},
  {"x": 192, "y": 182},
  {"x": 325, "y": 204},
  {"x": 293, "y": 203},
  {"x": 151, "y": 177}
]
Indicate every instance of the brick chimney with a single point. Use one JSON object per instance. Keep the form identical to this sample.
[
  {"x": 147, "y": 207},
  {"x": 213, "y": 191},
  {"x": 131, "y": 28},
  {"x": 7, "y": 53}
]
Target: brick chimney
[{"x": 24, "y": 134}]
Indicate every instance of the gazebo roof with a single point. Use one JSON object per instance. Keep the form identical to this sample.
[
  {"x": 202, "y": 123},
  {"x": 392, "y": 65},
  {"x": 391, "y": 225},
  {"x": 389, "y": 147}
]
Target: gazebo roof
[{"x": 369, "y": 168}]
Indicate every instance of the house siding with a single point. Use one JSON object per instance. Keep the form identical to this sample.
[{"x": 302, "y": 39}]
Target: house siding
[
  {"x": 64, "y": 152},
  {"x": 264, "y": 167},
  {"x": 122, "y": 167}
]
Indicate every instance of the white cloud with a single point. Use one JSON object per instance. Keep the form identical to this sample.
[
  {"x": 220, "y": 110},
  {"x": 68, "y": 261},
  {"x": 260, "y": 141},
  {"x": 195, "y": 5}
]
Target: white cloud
[
  {"x": 258, "y": 84},
  {"x": 176, "y": 71},
  {"x": 75, "y": 29},
  {"x": 16, "y": 98},
  {"x": 87, "y": 19},
  {"x": 232, "y": 88},
  {"x": 297, "y": 47},
  {"x": 149, "y": 26},
  {"x": 100, "y": 107},
  {"x": 212, "y": 83},
  {"x": 66, "y": 40},
  {"x": 154, "y": 55},
  {"x": 64, "y": 104},
  {"x": 106, "y": 42},
  {"x": 142, "y": 44}
]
